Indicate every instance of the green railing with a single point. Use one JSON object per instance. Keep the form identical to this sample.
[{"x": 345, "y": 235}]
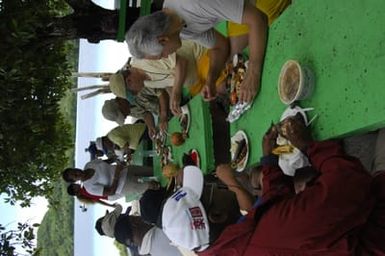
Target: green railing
[{"x": 145, "y": 9}]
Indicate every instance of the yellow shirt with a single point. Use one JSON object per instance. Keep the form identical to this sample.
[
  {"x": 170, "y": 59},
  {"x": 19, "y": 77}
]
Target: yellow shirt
[
  {"x": 162, "y": 72},
  {"x": 128, "y": 134}
]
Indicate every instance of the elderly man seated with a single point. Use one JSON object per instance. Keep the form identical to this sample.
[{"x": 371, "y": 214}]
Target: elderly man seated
[{"x": 159, "y": 34}]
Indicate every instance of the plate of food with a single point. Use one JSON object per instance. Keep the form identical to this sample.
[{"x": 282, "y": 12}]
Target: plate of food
[
  {"x": 191, "y": 158},
  {"x": 195, "y": 157},
  {"x": 239, "y": 151},
  {"x": 166, "y": 156},
  {"x": 184, "y": 119},
  {"x": 159, "y": 143},
  {"x": 237, "y": 75}
]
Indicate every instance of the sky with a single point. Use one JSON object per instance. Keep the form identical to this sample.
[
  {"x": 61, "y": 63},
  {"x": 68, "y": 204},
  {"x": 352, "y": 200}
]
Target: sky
[{"x": 107, "y": 56}]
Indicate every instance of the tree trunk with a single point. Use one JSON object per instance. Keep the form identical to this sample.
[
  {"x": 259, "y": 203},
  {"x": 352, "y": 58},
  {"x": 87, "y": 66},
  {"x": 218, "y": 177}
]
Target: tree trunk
[{"x": 89, "y": 21}]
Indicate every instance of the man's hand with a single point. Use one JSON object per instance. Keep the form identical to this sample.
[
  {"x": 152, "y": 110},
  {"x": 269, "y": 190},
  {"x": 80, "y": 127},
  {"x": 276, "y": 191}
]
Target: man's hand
[
  {"x": 152, "y": 132},
  {"x": 249, "y": 87},
  {"x": 209, "y": 92},
  {"x": 269, "y": 140},
  {"x": 163, "y": 125},
  {"x": 226, "y": 174},
  {"x": 127, "y": 150},
  {"x": 257, "y": 23},
  {"x": 295, "y": 130},
  {"x": 175, "y": 103}
]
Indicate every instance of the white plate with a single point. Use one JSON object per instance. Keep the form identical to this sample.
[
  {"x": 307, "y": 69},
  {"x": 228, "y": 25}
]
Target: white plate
[
  {"x": 185, "y": 111},
  {"x": 292, "y": 111},
  {"x": 238, "y": 136}
]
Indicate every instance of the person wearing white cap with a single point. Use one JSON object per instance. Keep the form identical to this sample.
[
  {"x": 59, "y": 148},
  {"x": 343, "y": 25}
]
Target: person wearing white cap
[
  {"x": 133, "y": 232},
  {"x": 196, "y": 214},
  {"x": 147, "y": 102}
]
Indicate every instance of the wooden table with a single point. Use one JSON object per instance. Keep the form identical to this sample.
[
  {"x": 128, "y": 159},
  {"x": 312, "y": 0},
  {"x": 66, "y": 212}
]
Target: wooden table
[{"x": 342, "y": 42}]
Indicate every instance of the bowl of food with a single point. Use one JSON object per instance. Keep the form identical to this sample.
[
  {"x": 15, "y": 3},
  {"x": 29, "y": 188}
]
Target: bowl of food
[{"x": 295, "y": 82}]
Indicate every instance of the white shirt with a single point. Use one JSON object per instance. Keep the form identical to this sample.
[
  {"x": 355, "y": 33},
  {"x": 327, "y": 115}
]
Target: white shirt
[
  {"x": 156, "y": 243},
  {"x": 103, "y": 176},
  {"x": 202, "y": 15}
]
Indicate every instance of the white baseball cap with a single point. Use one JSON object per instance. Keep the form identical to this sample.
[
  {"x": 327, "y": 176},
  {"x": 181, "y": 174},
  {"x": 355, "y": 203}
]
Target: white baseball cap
[{"x": 184, "y": 219}]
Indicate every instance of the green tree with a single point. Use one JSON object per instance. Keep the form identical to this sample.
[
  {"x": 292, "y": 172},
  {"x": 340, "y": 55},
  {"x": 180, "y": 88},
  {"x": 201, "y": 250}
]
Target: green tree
[
  {"x": 55, "y": 234},
  {"x": 33, "y": 78},
  {"x": 87, "y": 20},
  {"x": 122, "y": 249},
  {"x": 18, "y": 241}
]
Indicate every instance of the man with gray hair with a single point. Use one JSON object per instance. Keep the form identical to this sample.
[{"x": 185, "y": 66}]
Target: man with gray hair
[{"x": 159, "y": 34}]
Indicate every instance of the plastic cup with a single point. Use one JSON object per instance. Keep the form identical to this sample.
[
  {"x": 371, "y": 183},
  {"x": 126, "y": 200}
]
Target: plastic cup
[{"x": 295, "y": 82}]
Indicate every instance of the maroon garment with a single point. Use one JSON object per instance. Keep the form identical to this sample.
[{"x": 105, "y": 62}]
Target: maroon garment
[
  {"x": 322, "y": 220},
  {"x": 372, "y": 236},
  {"x": 95, "y": 198}
]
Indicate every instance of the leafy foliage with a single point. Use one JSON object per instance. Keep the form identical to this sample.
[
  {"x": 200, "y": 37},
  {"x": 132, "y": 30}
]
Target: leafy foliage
[
  {"x": 18, "y": 240},
  {"x": 55, "y": 234},
  {"x": 122, "y": 249},
  {"x": 34, "y": 76}
]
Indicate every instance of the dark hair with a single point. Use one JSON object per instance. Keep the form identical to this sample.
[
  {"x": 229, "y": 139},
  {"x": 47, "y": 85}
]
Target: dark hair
[
  {"x": 98, "y": 226},
  {"x": 305, "y": 174},
  {"x": 151, "y": 204},
  {"x": 67, "y": 174},
  {"x": 123, "y": 230},
  {"x": 72, "y": 188}
]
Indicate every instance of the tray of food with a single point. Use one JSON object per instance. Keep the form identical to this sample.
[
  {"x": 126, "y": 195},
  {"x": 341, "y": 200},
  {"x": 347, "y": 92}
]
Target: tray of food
[{"x": 237, "y": 73}]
